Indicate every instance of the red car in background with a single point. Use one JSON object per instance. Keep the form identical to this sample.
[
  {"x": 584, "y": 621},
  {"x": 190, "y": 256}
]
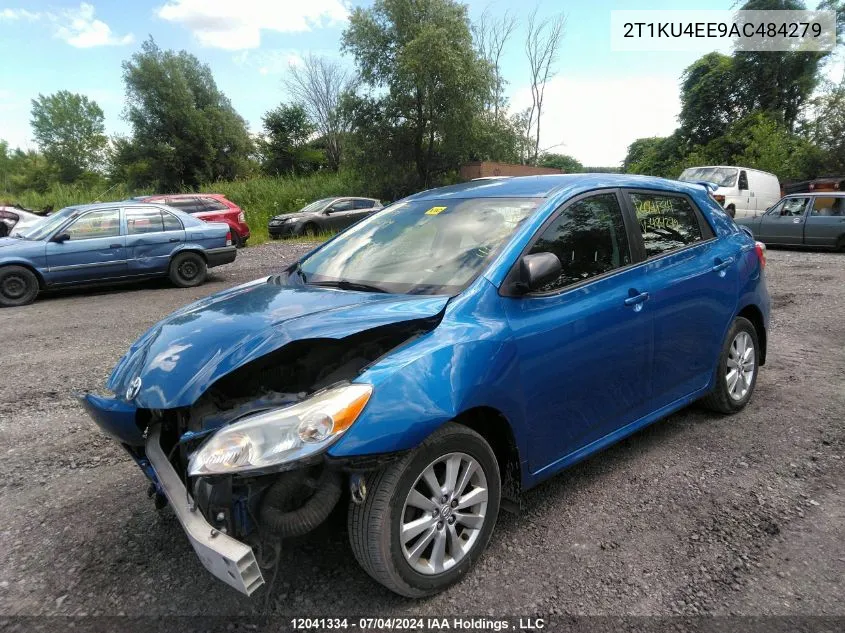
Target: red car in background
[{"x": 209, "y": 207}]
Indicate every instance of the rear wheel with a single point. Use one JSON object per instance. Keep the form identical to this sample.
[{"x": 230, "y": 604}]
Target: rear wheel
[
  {"x": 237, "y": 242},
  {"x": 736, "y": 373},
  {"x": 188, "y": 270},
  {"x": 428, "y": 517},
  {"x": 18, "y": 286}
]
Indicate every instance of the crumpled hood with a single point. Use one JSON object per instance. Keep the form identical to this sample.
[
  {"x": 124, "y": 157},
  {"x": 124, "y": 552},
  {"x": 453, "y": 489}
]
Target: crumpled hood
[
  {"x": 294, "y": 216},
  {"x": 181, "y": 356}
]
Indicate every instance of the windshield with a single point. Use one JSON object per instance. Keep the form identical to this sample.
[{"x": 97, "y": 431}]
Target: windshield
[
  {"x": 420, "y": 246},
  {"x": 315, "y": 206},
  {"x": 45, "y": 228},
  {"x": 722, "y": 176}
]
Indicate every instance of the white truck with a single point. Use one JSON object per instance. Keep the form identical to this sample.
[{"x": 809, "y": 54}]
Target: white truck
[{"x": 743, "y": 192}]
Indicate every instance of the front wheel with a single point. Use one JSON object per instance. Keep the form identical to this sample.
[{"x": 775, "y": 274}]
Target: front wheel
[
  {"x": 428, "y": 517},
  {"x": 18, "y": 286},
  {"x": 188, "y": 270},
  {"x": 736, "y": 373}
]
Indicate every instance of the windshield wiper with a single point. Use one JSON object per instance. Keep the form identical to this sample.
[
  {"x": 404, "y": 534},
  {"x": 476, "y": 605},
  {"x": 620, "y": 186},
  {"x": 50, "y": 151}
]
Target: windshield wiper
[{"x": 343, "y": 284}]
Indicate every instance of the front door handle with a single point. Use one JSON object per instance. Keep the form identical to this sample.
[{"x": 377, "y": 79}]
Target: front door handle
[
  {"x": 721, "y": 265},
  {"x": 637, "y": 300},
  {"x": 115, "y": 245}
]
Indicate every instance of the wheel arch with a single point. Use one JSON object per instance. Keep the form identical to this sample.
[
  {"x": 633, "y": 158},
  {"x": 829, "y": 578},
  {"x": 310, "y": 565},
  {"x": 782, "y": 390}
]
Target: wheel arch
[
  {"x": 496, "y": 430},
  {"x": 755, "y": 315},
  {"x": 41, "y": 281},
  {"x": 189, "y": 249}
]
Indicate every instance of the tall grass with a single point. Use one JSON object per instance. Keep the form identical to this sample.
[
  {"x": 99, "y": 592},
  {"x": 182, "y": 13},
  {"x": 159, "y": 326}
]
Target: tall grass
[{"x": 260, "y": 198}]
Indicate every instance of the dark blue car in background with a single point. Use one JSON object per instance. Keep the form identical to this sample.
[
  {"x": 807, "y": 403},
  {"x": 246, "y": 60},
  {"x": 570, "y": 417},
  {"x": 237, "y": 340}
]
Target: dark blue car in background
[
  {"x": 458, "y": 347},
  {"x": 110, "y": 242}
]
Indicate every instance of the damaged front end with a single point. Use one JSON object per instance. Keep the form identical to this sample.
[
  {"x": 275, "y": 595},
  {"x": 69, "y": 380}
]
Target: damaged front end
[{"x": 244, "y": 466}]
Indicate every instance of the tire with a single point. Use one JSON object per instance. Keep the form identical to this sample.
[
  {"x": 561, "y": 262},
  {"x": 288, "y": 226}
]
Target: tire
[
  {"x": 18, "y": 286},
  {"x": 310, "y": 230},
  {"x": 731, "y": 210},
  {"x": 237, "y": 242},
  {"x": 188, "y": 269},
  {"x": 375, "y": 524},
  {"x": 723, "y": 399}
]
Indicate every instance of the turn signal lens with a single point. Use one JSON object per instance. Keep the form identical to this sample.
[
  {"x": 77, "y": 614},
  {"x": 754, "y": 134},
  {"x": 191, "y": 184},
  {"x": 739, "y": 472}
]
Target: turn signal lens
[{"x": 760, "y": 248}]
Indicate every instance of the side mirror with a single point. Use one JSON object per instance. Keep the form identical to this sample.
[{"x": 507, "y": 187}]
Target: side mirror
[
  {"x": 536, "y": 270},
  {"x": 61, "y": 237}
]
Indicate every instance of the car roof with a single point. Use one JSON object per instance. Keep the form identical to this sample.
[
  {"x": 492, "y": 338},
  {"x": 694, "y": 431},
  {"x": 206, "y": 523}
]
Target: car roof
[
  {"x": 823, "y": 194},
  {"x": 546, "y": 186}
]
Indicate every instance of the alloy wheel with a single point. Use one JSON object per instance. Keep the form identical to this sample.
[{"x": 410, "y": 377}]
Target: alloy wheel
[
  {"x": 443, "y": 514},
  {"x": 741, "y": 366}
]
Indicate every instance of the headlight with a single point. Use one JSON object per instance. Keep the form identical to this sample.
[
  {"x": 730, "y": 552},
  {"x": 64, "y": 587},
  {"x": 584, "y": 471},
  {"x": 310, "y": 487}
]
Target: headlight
[{"x": 281, "y": 435}]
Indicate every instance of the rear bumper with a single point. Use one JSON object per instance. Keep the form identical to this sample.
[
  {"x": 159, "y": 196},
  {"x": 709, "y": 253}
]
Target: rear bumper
[
  {"x": 219, "y": 256},
  {"x": 226, "y": 558}
]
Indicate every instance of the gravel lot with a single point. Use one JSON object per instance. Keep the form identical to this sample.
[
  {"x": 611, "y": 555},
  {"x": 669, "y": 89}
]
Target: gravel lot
[{"x": 697, "y": 514}]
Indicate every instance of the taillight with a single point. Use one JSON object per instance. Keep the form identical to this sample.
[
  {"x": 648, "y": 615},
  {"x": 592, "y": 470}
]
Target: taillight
[
  {"x": 760, "y": 248},
  {"x": 229, "y": 238},
  {"x": 241, "y": 217}
]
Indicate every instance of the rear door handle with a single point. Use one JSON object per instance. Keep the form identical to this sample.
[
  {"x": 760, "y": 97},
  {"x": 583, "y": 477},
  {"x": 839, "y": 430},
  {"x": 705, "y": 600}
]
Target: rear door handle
[
  {"x": 721, "y": 265},
  {"x": 636, "y": 299},
  {"x": 174, "y": 239},
  {"x": 115, "y": 245}
]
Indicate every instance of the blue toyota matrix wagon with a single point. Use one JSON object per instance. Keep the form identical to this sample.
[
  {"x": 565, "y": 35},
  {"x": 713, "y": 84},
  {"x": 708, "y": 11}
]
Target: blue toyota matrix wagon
[{"x": 449, "y": 351}]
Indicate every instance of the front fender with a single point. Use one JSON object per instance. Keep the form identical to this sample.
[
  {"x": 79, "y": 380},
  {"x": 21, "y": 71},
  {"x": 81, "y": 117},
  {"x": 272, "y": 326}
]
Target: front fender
[{"x": 468, "y": 361}]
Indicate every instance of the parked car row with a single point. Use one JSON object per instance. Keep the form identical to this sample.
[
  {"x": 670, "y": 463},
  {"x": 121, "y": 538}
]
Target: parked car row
[
  {"x": 441, "y": 355},
  {"x": 110, "y": 242},
  {"x": 209, "y": 207}
]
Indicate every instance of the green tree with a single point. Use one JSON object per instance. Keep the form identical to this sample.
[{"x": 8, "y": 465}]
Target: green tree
[
  {"x": 184, "y": 130},
  {"x": 708, "y": 102},
  {"x": 655, "y": 156},
  {"x": 70, "y": 133},
  {"x": 429, "y": 82},
  {"x": 567, "y": 163},
  {"x": 780, "y": 83},
  {"x": 827, "y": 130},
  {"x": 285, "y": 145}
]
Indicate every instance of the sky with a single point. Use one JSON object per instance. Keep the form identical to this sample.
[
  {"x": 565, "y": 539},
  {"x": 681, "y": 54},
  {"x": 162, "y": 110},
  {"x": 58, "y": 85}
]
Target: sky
[{"x": 598, "y": 102}]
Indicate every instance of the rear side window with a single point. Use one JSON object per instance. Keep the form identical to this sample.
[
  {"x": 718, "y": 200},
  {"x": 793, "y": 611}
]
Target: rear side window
[
  {"x": 364, "y": 204},
  {"x": 140, "y": 221},
  {"x": 188, "y": 205},
  {"x": 171, "y": 222},
  {"x": 588, "y": 238},
  {"x": 828, "y": 206},
  {"x": 211, "y": 204},
  {"x": 667, "y": 223}
]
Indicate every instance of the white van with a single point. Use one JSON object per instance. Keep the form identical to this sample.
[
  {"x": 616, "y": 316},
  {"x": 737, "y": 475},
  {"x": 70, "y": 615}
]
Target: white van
[{"x": 742, "y": 191}]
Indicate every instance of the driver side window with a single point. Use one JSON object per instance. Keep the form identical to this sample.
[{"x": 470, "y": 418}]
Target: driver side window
[
  {"x": 105, "y": 223},
  {"x": 343, "y": 205}
]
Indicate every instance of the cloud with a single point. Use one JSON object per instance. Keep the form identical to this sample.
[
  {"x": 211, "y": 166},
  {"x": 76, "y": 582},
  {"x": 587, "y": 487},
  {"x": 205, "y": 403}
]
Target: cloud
[
  {"x": 595, "y": 119},
  {"x": 238, "y": 25},
  {"x": 78, "y": 27},
  {"x": 269, "y": 62},
  {"x": 19, "y": 14}
]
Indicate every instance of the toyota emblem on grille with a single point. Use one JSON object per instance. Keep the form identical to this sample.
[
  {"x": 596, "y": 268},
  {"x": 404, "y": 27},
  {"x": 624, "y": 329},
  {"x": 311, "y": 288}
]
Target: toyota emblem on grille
[{"x": 134, "y": 388}]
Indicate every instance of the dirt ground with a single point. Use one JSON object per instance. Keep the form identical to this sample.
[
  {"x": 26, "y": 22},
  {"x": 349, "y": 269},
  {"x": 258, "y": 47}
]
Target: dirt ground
[{"x": 699, "y": 514}]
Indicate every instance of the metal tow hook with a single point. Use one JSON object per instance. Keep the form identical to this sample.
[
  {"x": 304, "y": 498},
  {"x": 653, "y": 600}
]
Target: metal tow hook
[{"x": 358, "y": 488}]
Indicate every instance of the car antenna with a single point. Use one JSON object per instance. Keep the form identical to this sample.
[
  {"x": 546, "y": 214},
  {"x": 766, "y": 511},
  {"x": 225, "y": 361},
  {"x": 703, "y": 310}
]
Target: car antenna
[{"x": 106, "y": 191}]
